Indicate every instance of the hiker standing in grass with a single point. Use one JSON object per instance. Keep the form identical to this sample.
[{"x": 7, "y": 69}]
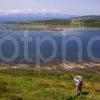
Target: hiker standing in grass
[{"x": 79, "y": 82}]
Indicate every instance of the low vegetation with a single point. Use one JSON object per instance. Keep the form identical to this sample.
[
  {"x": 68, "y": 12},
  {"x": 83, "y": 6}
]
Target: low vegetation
[
  {"x": 27, "y": 84},
  {"x": 92, "y": 22},
  {"x": 56, "y": 24}
]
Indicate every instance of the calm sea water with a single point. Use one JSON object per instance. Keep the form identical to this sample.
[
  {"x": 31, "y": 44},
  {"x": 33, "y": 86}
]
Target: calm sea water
[{"x": 7, "y": 46}]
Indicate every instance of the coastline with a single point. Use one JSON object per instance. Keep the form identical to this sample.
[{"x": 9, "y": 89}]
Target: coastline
[
  {"x": 52, "y": 25},
  {"x": 59, "y": 29},
  {"x": 56, "y": 66}
]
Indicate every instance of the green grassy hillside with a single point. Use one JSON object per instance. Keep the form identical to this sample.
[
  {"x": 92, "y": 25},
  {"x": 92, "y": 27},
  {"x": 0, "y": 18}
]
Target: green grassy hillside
[
  {"x": 86, "y": 22},
  {"x": 56, "y": 24},
  {"x": 25, "y": 84}
]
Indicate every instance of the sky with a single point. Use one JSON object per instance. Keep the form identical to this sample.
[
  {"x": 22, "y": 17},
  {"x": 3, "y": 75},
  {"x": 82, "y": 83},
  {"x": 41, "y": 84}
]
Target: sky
[{"x": 72, "y": 7}]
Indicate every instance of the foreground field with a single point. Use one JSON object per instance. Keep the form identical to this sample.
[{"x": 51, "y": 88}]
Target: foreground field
[{"x": 27, "y": 84}]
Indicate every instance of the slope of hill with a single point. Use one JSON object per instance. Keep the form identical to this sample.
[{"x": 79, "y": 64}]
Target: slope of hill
[{"x": 26, "y": 84}]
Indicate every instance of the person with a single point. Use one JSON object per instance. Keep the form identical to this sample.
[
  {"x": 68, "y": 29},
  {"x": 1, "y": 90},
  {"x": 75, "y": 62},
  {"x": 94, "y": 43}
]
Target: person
[{"x": 79, "y": 82}]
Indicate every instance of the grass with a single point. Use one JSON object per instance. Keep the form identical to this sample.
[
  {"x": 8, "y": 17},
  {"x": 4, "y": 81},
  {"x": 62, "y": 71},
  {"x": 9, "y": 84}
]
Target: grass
[
  {"x": 56, "y": 24},
  {"x": 48, "y": 28},
  {"x": 26, "y": 84}
]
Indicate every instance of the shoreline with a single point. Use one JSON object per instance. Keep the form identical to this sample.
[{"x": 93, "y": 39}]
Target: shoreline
[
  {"x": 35, "y": 26},
  {"x": 59, "y": 29},
  {"x": 56, "y": 66}
]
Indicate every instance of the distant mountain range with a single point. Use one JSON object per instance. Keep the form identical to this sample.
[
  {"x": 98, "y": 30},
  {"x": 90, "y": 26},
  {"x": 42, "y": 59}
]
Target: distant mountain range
[
  {"x": 87, "y": 17},
  {"x": 30, "y": 15}
]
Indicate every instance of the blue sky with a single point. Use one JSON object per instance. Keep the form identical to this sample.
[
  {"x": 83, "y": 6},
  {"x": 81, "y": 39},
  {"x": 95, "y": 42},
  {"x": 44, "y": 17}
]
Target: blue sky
[{"x": 73, "y": 7}]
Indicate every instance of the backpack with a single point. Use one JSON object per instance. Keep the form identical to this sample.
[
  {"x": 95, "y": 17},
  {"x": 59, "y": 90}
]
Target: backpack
[{"x": 80, "y": 83}]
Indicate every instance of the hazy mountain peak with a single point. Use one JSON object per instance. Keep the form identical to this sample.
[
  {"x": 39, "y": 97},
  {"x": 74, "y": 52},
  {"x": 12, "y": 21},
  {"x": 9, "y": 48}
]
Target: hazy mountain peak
[
  {"x": 31, "y": 14},
  {"x": 31, "y": 11}
]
